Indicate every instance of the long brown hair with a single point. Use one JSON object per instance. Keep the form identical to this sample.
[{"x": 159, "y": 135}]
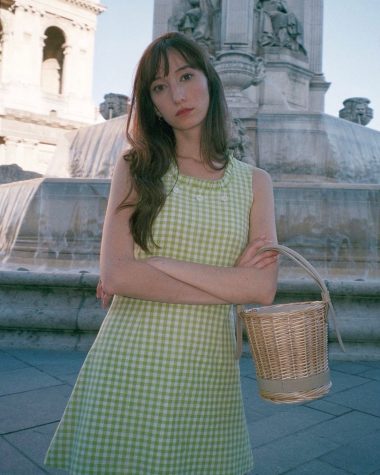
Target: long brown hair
[{"x": 152, "y": 140}]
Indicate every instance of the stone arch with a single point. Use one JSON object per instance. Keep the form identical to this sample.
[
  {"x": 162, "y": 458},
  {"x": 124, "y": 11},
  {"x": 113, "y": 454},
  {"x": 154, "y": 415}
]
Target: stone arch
[{"x": 53, "y": 60}]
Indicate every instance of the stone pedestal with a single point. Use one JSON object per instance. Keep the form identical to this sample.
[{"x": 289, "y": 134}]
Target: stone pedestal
[{"x": 238, "y": 71}]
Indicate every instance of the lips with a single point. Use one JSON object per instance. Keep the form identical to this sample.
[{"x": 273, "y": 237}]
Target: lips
[{"x": 182, "y": 112}]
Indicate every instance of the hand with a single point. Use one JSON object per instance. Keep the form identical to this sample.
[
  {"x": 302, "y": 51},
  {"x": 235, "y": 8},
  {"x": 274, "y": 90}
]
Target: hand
[
  {"x": 100, "y": 294},
  {"x": 250, "y": 258}
]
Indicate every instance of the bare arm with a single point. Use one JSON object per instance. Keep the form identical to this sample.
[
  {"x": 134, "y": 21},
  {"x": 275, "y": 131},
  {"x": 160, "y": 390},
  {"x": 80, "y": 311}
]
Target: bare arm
[
  {"x": 254, "y": 278},
  {"x": 121, "y": 273}
]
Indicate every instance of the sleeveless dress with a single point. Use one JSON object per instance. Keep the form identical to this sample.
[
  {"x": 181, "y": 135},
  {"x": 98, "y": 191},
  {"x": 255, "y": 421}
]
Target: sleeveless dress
[{"x": 159, "y": 392}]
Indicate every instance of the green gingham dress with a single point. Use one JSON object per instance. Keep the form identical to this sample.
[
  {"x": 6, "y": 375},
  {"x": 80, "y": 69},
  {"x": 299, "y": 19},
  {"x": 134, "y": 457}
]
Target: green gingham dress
[{"x": 159, "y": 392}]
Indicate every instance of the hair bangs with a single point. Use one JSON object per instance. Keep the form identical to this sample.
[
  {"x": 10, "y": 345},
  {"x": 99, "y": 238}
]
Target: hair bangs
[{"x": 159, "y": 60}]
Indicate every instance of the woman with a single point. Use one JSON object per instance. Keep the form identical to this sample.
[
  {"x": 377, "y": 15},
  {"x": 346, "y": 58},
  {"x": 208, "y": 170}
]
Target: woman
[{"x": 159, "y": 392}]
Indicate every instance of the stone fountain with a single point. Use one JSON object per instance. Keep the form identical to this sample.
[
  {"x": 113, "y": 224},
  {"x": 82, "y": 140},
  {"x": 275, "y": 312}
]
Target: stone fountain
[{"x": 326, "y": 174}]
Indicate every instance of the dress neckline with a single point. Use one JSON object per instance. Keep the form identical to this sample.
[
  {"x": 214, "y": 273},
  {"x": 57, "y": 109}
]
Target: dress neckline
[{"x": 206, "y": 183}]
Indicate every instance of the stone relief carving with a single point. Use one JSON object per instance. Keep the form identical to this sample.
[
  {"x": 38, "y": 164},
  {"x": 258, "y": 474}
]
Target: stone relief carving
[
  {"x": 279, "y": 26},
  {"x": 196, "y": 18},
  {"x": 239, "y": 142},
  {"x": 356, "y": 110}
]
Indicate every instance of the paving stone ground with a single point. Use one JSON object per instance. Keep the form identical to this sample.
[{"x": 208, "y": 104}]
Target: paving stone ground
[{"x": 336, "y": 435}]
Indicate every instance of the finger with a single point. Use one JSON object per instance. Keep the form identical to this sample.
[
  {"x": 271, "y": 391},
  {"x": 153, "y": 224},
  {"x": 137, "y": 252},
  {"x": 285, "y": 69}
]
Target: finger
[
  {"x": 264, "y": 255},
  {"x": 106, "y": 300},
  {"x": 251, "y": 250},
  {"x": 266, "y": 262},
  {"x": 259, "y": 264},
  {"x": 99, "y": 289},
  {"x": 259, "y": 257}
]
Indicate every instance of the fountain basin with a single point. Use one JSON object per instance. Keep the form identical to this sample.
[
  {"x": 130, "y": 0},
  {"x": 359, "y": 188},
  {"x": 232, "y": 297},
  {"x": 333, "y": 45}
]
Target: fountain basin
[
  {"x": 316, "y": 148},
  {"x": 62, "y": 227},
  {"x": 336, "y": 226}
]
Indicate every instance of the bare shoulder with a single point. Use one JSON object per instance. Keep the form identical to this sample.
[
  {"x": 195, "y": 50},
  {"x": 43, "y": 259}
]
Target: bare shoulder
[
  {"x": 121, "y": 177},
  {"x": 261, "y": 180},
  {"x": 121, "y": 166},
  {"x": 121, "y": 184}
]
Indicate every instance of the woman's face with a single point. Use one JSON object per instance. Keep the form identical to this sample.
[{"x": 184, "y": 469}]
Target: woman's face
[{"x": 181, "y": 97}]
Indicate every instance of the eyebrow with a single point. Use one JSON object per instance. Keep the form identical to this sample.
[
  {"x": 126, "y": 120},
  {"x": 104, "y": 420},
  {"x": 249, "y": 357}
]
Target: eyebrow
[{"x": 185, "y": 66}]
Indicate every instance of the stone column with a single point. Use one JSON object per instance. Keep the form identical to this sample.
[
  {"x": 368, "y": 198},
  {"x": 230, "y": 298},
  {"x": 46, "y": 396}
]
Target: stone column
[
  {"x": 68, "y": 78},
  {"x": 27, "y": 21},
  {"x": 36, "y": 48},
  {"x": 163, "y": 10},
  {"x": 236, "y": 64},
  {"x": 314, "y": 24},
  {"x": 6, "y": 62}
]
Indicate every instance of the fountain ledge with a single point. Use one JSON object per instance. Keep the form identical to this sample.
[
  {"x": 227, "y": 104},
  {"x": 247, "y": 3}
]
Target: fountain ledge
[{"x": 58, "y": 310}]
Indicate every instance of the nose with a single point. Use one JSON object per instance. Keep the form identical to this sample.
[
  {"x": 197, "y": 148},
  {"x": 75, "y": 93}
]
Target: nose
[{"x": 178, "y": 93}]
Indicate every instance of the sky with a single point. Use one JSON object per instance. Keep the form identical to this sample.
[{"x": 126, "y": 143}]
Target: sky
[{"x": 351, "y": 58}]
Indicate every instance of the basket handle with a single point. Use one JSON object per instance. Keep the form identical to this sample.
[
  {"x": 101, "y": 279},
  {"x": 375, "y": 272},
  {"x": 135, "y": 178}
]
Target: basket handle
[{"x": 312, "y": 271}]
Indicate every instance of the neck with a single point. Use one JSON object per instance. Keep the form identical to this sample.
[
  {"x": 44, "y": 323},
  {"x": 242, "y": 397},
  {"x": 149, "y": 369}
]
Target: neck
[
  {"x": 189, "y": 151},
  {"x": 188, "y": 144},
  {"x": 196, "y": 158}
]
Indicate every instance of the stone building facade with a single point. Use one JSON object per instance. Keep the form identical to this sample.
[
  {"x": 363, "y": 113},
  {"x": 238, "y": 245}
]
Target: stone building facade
[{"x": 46, "y": 62}]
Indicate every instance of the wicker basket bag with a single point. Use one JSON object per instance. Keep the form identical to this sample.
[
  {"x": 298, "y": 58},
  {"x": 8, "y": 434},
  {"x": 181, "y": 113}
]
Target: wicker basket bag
[{"x": 288, "y": 342}]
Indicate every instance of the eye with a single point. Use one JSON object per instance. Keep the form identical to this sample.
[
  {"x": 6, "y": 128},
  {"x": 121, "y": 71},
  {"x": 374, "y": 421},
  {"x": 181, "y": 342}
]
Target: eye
[
  {"x": 187, "y": 76},
  {"x": 157, "y": 88}
]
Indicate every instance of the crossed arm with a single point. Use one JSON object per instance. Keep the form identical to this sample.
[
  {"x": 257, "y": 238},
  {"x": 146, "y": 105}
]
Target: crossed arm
[{"x": 252, "y": 279}]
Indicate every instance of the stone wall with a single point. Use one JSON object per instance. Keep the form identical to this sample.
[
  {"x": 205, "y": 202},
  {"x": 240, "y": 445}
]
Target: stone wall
[{"x": 47, "y": 310}]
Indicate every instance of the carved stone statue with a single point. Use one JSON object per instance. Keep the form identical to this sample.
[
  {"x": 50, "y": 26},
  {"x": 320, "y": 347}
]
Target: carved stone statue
[
  {"x": 278, "y": 26},
  {"x": 196, "y": 21},
  {"x": 114, "y": 105},
  {"x": 356, "y": 110},
  {"x": 239, "y": 142}
]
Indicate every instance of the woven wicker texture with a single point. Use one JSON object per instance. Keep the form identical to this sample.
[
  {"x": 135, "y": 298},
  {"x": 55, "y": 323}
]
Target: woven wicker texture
[{"x": 289, "y": 343}]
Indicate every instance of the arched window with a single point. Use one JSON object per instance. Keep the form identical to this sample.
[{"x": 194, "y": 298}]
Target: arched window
[{"x": 52, "y": 61}]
